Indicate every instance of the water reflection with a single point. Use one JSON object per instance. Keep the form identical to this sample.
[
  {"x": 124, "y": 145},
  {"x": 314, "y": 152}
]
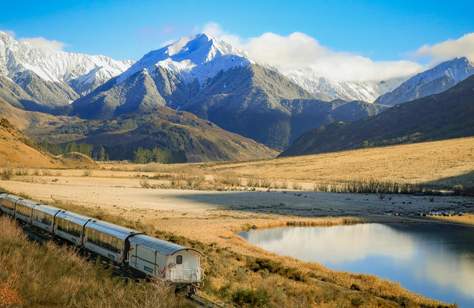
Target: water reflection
[{"x": 436, "y": 260}]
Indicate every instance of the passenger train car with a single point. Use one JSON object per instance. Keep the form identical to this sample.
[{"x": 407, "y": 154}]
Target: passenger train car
[{"x": 150, "y": 256}]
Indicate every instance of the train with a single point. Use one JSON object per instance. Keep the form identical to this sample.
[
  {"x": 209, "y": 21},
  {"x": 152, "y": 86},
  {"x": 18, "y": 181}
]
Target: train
[{"x": 130, "y": 248}]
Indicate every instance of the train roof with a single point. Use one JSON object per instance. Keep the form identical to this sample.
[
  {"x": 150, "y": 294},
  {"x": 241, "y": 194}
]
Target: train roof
[
  {"x": 11, "y": 197},
  {"x": 76, "y": 218},
  {"x": 163, "y": 247},
  {"x": 27, "y": 202},
  {"x": 111, "y": 229},
  {"x": 47, "y": 209}
]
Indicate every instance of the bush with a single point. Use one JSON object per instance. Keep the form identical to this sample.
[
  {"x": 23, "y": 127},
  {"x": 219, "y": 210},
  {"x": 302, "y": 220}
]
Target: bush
[
  {"x": 251, "y": 298},
  {"x": 267, "y": 265},
  {"x": 372, "y": 186},
  {"x": 6, "y": 174}
]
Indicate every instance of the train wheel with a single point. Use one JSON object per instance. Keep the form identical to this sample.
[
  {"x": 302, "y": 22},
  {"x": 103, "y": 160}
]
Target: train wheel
[{"x": 191, "y": 290}]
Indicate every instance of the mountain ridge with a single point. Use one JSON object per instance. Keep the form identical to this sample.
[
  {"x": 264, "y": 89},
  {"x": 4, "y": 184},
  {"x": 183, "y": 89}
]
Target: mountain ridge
[
  {"x": 53, "y": 77},
  {"x": 449, "y": 114},
  {"x": 432, "y": 81},
  {"x": 240, "y": 96}
]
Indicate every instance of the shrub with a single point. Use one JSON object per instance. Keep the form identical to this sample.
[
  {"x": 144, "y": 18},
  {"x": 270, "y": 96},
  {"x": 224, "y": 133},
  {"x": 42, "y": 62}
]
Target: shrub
[
  {"x": 6, "y": 174},
  {"x": 250, "y": 297},
  {"x": 267, "y": 265},
  {"x": 145, "y": 184}
]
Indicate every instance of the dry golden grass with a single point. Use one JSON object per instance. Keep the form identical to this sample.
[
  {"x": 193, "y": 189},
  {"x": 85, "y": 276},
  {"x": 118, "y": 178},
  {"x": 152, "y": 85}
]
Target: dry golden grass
[
  {"x": 14, "y": 152},
  {"x": 17, "y": 151},
  {"x": 237, "y": 272},
  {"x": 241, "y": 274},
  {"x": 446, "y": 163},
  {"x": 412, "y": 163},
  {"x": 397, "y": 169},
  {"x": 467, "y": 219},
  {"x": 33, "y": 275}
]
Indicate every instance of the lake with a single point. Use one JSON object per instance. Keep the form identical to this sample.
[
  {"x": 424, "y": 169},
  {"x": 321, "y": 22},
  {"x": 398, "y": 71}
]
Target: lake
[{"x": 432, "y": 259}]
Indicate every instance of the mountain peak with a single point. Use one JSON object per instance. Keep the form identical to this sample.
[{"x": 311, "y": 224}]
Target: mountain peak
[
  {"x": 198, "y": 57},
  {"x": 432, "y": 81}
]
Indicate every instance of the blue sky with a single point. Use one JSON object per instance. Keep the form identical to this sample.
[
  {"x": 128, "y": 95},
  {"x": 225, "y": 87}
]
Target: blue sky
[{"x": 381, "y": 30}]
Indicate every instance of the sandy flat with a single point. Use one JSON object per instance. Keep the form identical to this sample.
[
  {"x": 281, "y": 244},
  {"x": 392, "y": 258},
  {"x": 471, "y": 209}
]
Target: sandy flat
[{"x": 126, "y": 193}]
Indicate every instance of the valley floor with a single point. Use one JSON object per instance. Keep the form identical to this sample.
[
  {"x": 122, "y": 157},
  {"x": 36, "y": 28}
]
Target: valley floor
[
  {"x": 211, "y": 220},
  {"x": 206, "y": 205}
]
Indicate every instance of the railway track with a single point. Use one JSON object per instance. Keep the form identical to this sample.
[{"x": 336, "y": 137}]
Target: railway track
[{"x": 203, "y": 302}]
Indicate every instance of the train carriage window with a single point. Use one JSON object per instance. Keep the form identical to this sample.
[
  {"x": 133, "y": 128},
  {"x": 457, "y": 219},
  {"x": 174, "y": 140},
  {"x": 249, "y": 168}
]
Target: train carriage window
[
  {"x": 104, "y": 240},
  {"x": 179, "y": 259},
  {"x": 46, "y": 220},
  {"x": 42, "y": 218},
  {"x": 69, "y": 227},
  {"x": 8, "y": 204},
  {"x": 23, "y": 210}
]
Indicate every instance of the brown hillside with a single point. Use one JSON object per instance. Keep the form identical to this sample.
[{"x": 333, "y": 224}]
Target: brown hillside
[{"x": 16, "y": 150}]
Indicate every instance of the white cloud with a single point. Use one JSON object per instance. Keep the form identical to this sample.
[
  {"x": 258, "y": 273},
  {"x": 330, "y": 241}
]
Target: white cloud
[
  {"x": 461, "y": 47},
  {"x": 215, "y": 30},
  {"x": 41, "y": 42},
  {"x": 299, "y": 51}
]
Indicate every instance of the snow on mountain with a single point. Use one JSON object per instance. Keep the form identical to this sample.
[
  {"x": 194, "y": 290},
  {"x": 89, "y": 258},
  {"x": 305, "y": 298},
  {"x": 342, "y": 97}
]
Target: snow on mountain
[
  {"x": 327, "y": 89},
  {"x": 53, "y": 65},
  {"x": 432, "y": 81},
  {"x": 199, "y": 57},
  {"x": 203, "y": 56}
]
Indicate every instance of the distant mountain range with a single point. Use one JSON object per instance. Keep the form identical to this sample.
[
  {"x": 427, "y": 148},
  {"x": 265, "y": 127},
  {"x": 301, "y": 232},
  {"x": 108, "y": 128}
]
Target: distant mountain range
[
  {"x": 215, "y": 81},
  {"x": 220, "y": 84},
  {"x": 433, "y": 81},
  {"x": 446, "y": 115},
  {"x": 327, "y": 89},
  {"x": 53, "y": 78}
]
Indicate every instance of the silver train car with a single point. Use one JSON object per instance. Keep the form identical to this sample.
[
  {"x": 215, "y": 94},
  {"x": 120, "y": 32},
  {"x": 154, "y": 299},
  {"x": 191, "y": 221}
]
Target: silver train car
[
  {"x": 8, "y": 203},
  {"x": 164, "y": 259},
  {"x": 24, "y": 210},
  {"x": 145, "y": 254},
  {"x": 108, "y": 240}
]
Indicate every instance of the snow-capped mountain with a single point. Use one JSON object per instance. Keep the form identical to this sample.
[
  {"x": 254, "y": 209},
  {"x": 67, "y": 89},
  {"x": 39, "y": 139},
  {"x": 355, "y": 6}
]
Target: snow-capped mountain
[
  {"x": 219, "y": 83},
  {"x": 22, "y": 60},
  {"x": 433, "y": 81},
  {"x": 327, "y": 89},
  {"x": 200, "y": 57}
]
